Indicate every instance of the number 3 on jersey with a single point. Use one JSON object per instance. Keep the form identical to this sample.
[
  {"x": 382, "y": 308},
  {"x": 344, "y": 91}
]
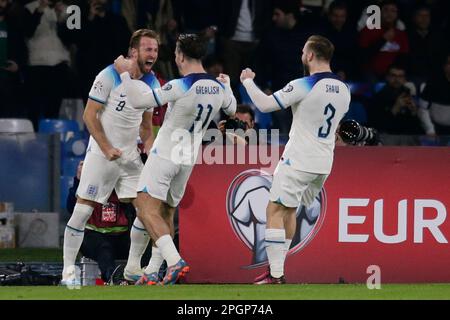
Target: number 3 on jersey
[
  {"x": 199, "y": 116},
  {"x": 324, "y": 130}
]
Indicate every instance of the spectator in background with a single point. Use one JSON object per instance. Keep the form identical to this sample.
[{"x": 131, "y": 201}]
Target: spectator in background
[
  {"x": 243, "y": 119},
  {"x": 426, "y": 46},
  {"x": 206, "y": 24},
  {"x": 394, "y": 111},
  {"x": 107, "y": 235},
  {"x": 13, "y": 57},
  {"x": 363, "y": 17},
  {"x": 344, "y": 37},
  {"x": 382, "y": 47},
  {"x": 279, "y": 56},
  {"x": 435, "y": 102},
  {"x": 48, "y": 74},
  {"x": 242, "y": 23},
  {"x": 101, "y": 39}
]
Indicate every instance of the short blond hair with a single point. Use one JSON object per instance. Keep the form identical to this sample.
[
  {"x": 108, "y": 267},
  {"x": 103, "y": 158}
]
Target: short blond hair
[
  {"x": 135, "y": 40},
  {"x": 322, "y": 47}
]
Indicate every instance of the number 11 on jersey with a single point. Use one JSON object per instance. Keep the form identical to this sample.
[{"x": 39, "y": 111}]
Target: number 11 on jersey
[{"x": 199, "y": 116}]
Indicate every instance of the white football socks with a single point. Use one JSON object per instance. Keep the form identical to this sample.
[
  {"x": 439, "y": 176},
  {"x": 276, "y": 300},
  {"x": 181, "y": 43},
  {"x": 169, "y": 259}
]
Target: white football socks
[
  {"x": 139, "y": 241},
  {"x": 168, "y": 250},
  {"x": 275, "y": 247},
  {"x": 287, "y": 245},
  {"x": 155, "y": 261},
  {"x": 74, "y": 234}
]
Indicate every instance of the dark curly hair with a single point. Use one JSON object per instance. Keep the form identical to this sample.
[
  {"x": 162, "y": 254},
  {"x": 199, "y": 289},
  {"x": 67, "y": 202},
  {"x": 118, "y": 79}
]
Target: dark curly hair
[{"x": 192, "y": 45}]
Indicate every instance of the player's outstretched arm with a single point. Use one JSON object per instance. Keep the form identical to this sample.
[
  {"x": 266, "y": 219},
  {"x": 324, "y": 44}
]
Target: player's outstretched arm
[
  {"x": 230, "y": 104},
  {"x": 262, "y": 101},
  {"x": 139, "y": 99},
  {"x": 96, "y": 130}
]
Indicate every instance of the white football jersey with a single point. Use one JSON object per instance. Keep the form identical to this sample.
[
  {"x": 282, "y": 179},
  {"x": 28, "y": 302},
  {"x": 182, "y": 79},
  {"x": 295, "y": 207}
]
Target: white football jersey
[
  {"x": 119, "y": 119},
  {"x": 318, "y": 103},
  {"x": 193, "y": 101}
]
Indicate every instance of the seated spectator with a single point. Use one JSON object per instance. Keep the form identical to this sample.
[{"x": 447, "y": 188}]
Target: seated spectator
[
  {"x": 385, "y": 46},
  {"x": 13, "y": 56},
  {"x": 435, "y": 103},
  {"x": 107, "y": 234},
  {"x": 393, "y": 110},
  {"x": 426, "y": 46},
  {"x": 49, "y": 58}
]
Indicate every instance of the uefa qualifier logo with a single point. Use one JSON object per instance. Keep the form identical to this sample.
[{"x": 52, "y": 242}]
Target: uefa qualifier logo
[{"x": 247, "y": 199}]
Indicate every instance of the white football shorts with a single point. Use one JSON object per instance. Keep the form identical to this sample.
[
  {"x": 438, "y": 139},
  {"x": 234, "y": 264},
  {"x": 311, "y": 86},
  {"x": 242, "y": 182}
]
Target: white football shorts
[
  {"x": 99, "y": 177},
  {"x": 164, "y": 180},
  {"x": 291, "y": 187}
]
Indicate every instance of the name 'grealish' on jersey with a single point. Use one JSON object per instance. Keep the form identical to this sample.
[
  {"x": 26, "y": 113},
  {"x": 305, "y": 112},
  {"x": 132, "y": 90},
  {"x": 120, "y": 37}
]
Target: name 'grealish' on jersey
[
  {"x": 193, "y": 101},
  {"x": 120, "y": 120}
]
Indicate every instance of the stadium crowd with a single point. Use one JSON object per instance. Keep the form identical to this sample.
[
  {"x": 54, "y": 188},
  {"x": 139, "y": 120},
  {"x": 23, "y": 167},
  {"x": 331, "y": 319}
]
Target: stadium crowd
[{"x": 399, "y": 74}]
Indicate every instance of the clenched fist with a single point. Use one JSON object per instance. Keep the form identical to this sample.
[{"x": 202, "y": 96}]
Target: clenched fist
[
  {"x": 247, "y": 74},
  {"x": 122, "y": 64}
]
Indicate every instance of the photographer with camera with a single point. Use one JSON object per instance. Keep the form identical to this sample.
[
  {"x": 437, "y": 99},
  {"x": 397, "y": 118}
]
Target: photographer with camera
[
  {"x": 239, "y": 129},
  {"x": 394, "y": 111}
]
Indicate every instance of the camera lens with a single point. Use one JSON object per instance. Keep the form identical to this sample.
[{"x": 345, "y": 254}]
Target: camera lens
[{"x": 350, "y": 131}]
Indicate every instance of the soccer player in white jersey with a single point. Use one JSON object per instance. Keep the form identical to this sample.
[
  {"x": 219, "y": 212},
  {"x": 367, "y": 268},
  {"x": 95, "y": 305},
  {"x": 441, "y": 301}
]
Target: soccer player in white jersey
[
  {"x": 193, "y": 101},
  {"x": 318, "y": 102},
  {"x": 112, "y": 159}
]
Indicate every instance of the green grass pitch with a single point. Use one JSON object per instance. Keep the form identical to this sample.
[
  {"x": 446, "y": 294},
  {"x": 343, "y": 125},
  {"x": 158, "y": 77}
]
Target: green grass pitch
[
  {"x": 232, "y": 292},
  {"x": 211, "y": 292}
]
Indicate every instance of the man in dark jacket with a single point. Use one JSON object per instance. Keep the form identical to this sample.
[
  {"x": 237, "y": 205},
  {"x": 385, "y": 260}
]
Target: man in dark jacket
[{"x": 394, "y": 111}]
